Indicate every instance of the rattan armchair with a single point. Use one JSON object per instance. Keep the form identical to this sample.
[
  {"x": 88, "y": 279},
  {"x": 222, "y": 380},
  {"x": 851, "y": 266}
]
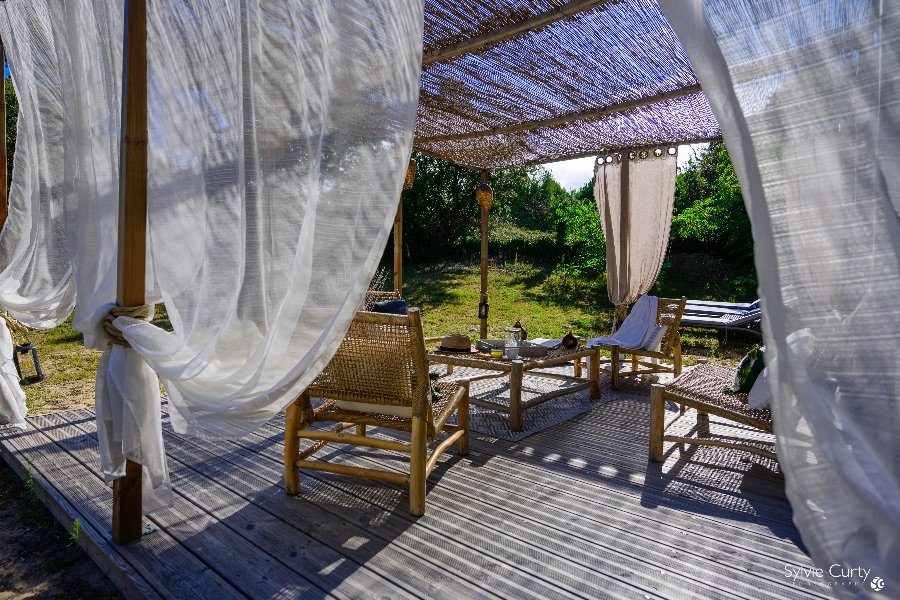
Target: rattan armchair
[
  {"x": 379, "y": 377},
  {"x": 668, "y": 313}
]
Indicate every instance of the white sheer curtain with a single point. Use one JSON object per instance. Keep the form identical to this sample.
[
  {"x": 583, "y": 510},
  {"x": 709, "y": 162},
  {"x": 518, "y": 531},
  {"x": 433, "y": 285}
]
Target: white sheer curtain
[
  {"x": 36, "y": 285},
  {"x": 635, "y": 193},
  {"x": 280, "y": 132},
  {"x": 807, "y": 96}
]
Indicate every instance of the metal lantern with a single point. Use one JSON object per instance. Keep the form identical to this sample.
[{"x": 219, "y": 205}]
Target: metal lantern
[
  {"x": 410, "y": 175},
  {"x": 484, "y": 195},
  {"x": 27, "y": 364}
]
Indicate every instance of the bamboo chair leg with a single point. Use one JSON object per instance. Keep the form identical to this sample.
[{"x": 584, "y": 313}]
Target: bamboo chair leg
[
  {"x": 614, "y": 366},
  {"x": 417, "y": 460},
  {"x": 594, "y": 373},
  {"x": 462, "y": 419},
  {"x": 292, "y": 448},
  {"x": 702, "y": 424},
  {"x": 515, "y": 396},
  {"x": 677, "y": 357},
  {"x": 361, "y": 429},
  {"x": 657, "y": 422},
  {"x": 449, "y": 369}
]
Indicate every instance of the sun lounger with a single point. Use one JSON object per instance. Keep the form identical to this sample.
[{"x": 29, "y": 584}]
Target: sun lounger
[{"x": 726, "y": 316}]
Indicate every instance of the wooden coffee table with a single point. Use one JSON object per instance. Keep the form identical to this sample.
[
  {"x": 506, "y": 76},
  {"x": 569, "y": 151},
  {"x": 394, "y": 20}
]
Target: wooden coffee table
[{"x": 517, "y": 368}]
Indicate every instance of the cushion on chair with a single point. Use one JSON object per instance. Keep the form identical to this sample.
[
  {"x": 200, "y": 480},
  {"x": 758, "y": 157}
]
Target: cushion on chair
[
  {"x": 747, "y": 372},
  {"x": 760, "y": 394},
  {"x": 404, "y": 412},
  {"x": 393, "y": 307},
  {"x": 654, "y": 337}
]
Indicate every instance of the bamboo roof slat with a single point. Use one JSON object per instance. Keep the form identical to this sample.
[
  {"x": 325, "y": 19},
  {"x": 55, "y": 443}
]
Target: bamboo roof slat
[{"x": 521, "y": 82}]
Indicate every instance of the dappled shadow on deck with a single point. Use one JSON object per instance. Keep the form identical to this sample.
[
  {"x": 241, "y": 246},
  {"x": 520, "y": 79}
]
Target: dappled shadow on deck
[{"x": 576, "y": 510}]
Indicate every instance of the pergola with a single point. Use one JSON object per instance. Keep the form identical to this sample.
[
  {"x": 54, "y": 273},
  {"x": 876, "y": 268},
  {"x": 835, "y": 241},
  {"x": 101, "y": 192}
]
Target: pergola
[
  {"x": 504, "y": 83},
  {"x": 511, "y": 83},
  {"x": 805, "y": 92}
]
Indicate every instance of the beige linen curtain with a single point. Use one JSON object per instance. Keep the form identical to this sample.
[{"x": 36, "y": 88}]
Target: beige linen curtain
[{"x": 635, "y": 192}]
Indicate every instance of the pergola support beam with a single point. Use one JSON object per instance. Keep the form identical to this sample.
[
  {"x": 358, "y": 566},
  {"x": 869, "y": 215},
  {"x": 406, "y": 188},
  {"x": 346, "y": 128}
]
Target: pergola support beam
[
  {"x": 398, "y": 249},
  {"x": 483, "y": 299},
  {"x": 569, "y": 118},
  {"x": 127, "y": 517},
  {"x": 510, "y": 31}
]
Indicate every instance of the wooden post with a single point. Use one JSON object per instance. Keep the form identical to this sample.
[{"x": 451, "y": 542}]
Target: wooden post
[
  {"x": 515, "y": 395},
  {"x": 657, "y": 422},
  {"x": 417, "y": 474},
  {"x": 398, "y": 249},
  {"x": 462, "y": 420},
  {"x": 292, "y": 418},
  {"x": 483, "y": 331},
  {"x": 4, "y": 181},
  {"x": 127, "y": 510},
  {"x": 614, "y": 365},
  {"x": 595, "y": 373}
]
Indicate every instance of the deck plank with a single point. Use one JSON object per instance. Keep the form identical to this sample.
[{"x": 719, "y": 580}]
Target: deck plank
[
  {"x": 246, "y": 502},
  {"x": 575, "y": 536},
  {"x": 253, "y": 570},
  {"x": 157, "y": 564},
  {"x": 575, "y": 511}
]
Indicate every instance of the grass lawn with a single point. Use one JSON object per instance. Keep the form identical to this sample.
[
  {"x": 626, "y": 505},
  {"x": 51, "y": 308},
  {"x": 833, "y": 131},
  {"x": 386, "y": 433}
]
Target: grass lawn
[{"x": 547, "y": 305}]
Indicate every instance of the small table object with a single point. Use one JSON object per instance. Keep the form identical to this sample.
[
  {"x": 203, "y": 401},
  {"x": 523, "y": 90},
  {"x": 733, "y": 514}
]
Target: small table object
[{"x": 517, "y": 368}]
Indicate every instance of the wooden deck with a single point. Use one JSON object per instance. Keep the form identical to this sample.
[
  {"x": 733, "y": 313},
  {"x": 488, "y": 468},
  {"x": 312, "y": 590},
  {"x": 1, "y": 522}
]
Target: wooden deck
[{"x": 574, "y": 511}]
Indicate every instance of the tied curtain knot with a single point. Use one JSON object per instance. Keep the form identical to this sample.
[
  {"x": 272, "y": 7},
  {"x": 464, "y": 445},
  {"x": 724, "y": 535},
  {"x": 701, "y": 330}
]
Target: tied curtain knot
[{"x": 113, "y": 333}]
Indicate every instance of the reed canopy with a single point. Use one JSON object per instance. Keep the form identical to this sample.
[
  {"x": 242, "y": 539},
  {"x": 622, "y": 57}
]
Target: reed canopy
[{"x": 508, "y": 83}]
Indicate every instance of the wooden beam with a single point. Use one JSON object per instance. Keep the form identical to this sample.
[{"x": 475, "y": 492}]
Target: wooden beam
[
  {"x": 482, "y": 331},
  {"x": 564, "y": 119},
  {"x": 558, "y": 157},
  {"x": 600, "y": 151},
  {"x": 510, "y": 31},
  {"x": 127, "y": 510},
  {"x": 398, "y": 249},
  {"x": 4, "y": 176}
]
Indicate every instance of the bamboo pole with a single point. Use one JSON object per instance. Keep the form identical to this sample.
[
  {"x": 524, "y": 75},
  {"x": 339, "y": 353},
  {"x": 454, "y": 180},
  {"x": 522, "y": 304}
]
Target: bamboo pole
[
  {"x": 398, "y": 249},
  {"x": 127, "y": 509},
  {"x": 4, "y": 176},
  {"x": 569, "y": 118},
  {"x": 510, "y": 31},
  {"x": 483, "y": 330}
]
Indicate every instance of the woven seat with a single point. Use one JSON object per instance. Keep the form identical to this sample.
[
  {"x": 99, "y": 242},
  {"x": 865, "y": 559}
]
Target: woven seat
[
  {"x": 668, "y": 313},
  {"x": 701, "y": 388},
  {"x": 380, "y": 367}
]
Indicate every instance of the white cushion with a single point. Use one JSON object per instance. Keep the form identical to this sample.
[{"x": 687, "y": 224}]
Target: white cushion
[
  {"x": 404, "y": 412},
  {"x": 653, "y": 338},
  {"x": 760, "y": 394}
]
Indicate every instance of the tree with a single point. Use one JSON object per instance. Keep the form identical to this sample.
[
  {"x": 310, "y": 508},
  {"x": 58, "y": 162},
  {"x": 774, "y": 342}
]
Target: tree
[
  {"x": 440, "y": 211},
  {"x": 12, "y": 115},
  {"x": 709, "y": 213},
  {"x": 579, "y": 234}
]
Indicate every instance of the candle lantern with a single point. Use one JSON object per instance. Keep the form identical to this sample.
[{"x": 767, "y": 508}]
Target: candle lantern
[
  {"x": 484, "y": 195},
  {"x": 28, "y": 366}
]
